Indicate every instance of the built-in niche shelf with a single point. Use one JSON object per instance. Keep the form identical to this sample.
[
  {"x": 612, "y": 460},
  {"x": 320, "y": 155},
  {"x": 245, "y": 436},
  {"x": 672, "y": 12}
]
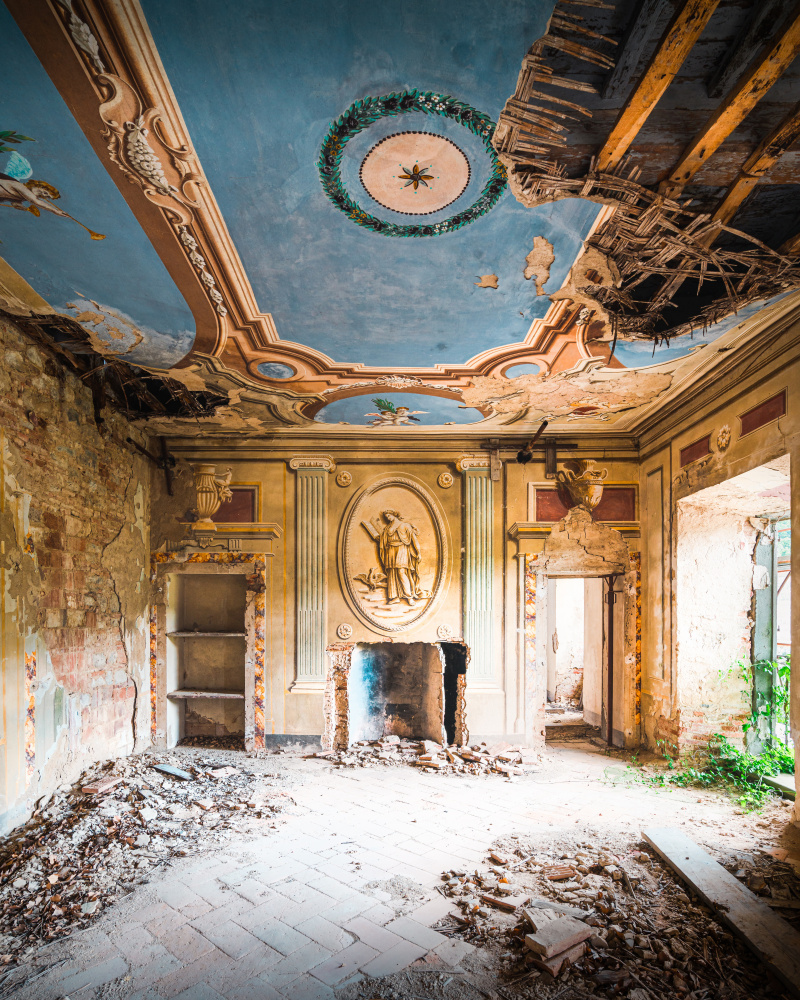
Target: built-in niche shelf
[
  {"x": 183, "y": 694},
  {"x": 206, "y": 635},
  {"x": 206, "y": 657}
]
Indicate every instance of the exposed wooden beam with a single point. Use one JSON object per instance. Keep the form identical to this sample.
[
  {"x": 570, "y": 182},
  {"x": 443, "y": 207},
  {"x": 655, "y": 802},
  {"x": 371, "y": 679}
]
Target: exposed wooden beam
[
  {"x": 762, "y": 73},
  {"x": 756, "y": 31},
  {"x": 683, "y": 31},
  {"x": 791, "y": 248},
  {"x": 639, "y": 33},
  {"x": 781, "y": 138}
]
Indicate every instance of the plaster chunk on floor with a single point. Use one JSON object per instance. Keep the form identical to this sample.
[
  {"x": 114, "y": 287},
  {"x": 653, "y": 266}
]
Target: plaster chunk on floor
[
  {"x": 608, "y": 389},
  {"x": 539, "y": 261},
  {"x": 577, "y": 544}
]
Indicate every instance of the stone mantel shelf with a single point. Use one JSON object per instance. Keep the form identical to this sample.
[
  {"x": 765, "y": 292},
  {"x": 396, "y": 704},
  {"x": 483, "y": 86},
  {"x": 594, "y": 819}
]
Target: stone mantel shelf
[
  {"x": 535, "y": 529},
  {"x": 206, "y": 635},
  {"x": 252, "y": 531},
  {"x": 185, "y": 693}
]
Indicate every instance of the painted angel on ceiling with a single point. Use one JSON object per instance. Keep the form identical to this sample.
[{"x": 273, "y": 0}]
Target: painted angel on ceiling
[
  {"x": 19, "y": 190},
  {"x": 390, "y": 415}
]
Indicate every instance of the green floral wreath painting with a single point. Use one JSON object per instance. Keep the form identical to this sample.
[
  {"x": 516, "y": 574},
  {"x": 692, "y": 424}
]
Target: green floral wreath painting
[{"x": 364, "y": 113}]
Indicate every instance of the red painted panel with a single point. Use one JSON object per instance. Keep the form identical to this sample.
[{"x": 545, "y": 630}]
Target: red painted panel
[
  {"x": 240, "y": 509},
  {"x": 699, "y": 449},
  {"x": 764, "y": 413},
  {"x": 618, "y": 504}
]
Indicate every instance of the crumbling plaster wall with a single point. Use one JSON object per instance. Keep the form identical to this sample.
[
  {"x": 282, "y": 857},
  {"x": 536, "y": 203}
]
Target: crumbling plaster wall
[
  {"x": 74, "y": 519},
  {"x": 664, "y": 483},
  {"x": 714, "y": 593}
]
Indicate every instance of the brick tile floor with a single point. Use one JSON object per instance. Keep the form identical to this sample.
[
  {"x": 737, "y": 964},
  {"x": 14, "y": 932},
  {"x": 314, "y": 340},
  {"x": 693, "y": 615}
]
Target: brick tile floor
[{"x": 299, "y": 911}]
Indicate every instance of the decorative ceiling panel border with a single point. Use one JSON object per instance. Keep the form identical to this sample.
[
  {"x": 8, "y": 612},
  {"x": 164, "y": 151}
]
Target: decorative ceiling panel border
[{"x": 143, "y": 141}]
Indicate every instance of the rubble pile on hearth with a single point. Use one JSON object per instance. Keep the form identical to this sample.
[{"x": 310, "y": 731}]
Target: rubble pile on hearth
[
  {"x": 480, "y": 758},
  {"x": 90, "y": 843},
  {"x": 596, "y": 919}
]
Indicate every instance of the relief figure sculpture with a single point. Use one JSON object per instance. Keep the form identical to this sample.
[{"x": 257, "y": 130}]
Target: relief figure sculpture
[{"x": 399, "y": 552}]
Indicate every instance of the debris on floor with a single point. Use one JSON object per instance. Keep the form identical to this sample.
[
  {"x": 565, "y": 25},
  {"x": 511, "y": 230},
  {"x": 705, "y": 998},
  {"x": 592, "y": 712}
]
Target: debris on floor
[
  {"x": 597, "y": 917},
  {"x": 90, "y": 843},
  {"x": 479, "y": 758}
]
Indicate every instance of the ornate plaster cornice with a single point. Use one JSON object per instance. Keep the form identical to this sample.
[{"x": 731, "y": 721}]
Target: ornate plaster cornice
[{"x": 104, "y": 62}]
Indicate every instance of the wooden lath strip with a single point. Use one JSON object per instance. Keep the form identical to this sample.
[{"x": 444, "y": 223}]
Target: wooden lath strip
[
  {"x": 763, "y": 72},
  {"x": 685, "y": 28},
  {"x": 578, "y": 51},
  {"x": 769, "y": 150}
]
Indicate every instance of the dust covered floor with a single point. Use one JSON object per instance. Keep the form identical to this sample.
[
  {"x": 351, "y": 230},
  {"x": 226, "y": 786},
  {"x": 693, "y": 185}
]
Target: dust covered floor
[{"x": 341, "y": 894}]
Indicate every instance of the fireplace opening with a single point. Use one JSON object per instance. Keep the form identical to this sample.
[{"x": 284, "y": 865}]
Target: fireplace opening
[{"x": 412, "y": 690}]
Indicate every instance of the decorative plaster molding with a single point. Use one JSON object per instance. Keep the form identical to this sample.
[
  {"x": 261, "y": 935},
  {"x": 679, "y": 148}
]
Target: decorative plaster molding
[
  {"x": 467, "y": 462},
  {"x": 343, "y": 478},
  {"x": 445, "y": 480},
  {"x": 479, "y": 569},
  {"x": 311, "y": 578},
  {"x": 321, "y": 462},
  {"x": 345, "y": 630},
  {"x": 428, "y": 538},
  {"x": 723, "y": 438},
  {"x": 445, "y": 632},
  {"x": 81, "y": 34}
]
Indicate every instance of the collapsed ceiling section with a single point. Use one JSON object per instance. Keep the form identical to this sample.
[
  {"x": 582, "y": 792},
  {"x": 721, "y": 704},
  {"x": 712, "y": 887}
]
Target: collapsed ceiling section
[{"x": 308, "y": 216}]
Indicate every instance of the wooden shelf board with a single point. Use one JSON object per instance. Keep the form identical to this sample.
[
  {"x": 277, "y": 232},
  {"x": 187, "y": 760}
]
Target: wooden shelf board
[
  {"x": 187, "y": 693},
  {"x": 206, "y": 635}
]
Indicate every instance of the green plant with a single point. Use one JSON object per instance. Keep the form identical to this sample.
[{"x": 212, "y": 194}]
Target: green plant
[
  {"x": 773, "y": 708},
  {"x": 723, "y": 765}
]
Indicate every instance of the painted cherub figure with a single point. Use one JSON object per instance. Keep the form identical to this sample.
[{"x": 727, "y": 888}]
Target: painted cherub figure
[{"x": 390, "y": 415}]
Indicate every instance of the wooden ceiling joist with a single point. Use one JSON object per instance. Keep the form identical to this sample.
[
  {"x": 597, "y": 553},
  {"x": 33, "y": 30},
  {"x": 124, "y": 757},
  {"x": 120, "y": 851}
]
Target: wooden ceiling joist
[
  {"x": 634, "y": 43},
  {"x": 685, "y": 28},
  {"x": 758, "y": 163},
  {"x": 762, "y": 73},
  {"x": 755, "y": 33}
]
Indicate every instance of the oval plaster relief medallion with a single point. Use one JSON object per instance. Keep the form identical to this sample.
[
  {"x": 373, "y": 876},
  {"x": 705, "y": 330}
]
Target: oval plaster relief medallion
[
  {"x": 344, "y": 631},
  {"x": 344, "y": 478},
  {"x": 445, "y": 480},
  {"x": 723, "y": 438},
  {"x": 393, "y": 553}
]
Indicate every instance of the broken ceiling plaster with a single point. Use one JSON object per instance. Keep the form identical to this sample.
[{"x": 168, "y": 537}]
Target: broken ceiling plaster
[
  {"x": 608, "y": 389},
  {"x": 110, "y": 331},
  {"x": 578, "y": 546},
  {"x": 487, "y": 281},
  {"x": 539, "y": 261}
]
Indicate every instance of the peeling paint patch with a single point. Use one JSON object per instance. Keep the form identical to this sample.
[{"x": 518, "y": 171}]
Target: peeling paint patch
[
  {"x": 487, "y": 281},
  {"x": 539, "y": 261},
  {"x": 30, "y": 716},
  {"x": 110, "y": 331},
  {"x": 609, "y": 390}
]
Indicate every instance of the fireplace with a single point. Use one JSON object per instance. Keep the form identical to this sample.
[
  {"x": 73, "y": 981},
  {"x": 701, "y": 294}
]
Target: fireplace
[{"x": 413, "y": 690}]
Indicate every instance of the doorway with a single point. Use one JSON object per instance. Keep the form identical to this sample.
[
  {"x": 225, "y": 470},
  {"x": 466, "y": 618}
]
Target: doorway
[{"x": 575, "y": 641}]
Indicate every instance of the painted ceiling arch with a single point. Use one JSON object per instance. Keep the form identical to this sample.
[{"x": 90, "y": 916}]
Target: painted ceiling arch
[{"x": 311, "y": 200}]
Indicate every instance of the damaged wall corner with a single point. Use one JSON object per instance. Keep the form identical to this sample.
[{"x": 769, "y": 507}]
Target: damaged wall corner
[{"x": 73, "y": 519}]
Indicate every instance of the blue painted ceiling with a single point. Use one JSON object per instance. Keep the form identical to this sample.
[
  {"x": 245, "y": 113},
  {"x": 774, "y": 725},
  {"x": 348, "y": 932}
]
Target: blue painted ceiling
[
  {"x": 259, "y": 84},
  {"x": 123, "y": 272}
]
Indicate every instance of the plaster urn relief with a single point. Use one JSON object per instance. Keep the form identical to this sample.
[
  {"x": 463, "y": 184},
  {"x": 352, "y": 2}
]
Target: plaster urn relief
[
  {"x": 579, "y": 484},
  {"x": 211, "y": 491},
  {"x": 393, "y": 553}
]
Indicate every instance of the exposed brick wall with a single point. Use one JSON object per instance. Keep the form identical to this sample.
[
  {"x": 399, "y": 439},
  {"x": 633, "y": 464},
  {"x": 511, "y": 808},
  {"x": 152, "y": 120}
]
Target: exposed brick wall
[
  {"x": 690, "y": 729},
  {"x": 74, "y": 527}
]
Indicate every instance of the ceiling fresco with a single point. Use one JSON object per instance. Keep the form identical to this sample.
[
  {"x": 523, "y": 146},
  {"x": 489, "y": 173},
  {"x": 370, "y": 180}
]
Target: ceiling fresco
[
  {"x": 338, "y": 217},
  {"x": 259, "y": 123},
  {"x": 398, "y": 409},
  {"x": 117, "y": 283}
]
